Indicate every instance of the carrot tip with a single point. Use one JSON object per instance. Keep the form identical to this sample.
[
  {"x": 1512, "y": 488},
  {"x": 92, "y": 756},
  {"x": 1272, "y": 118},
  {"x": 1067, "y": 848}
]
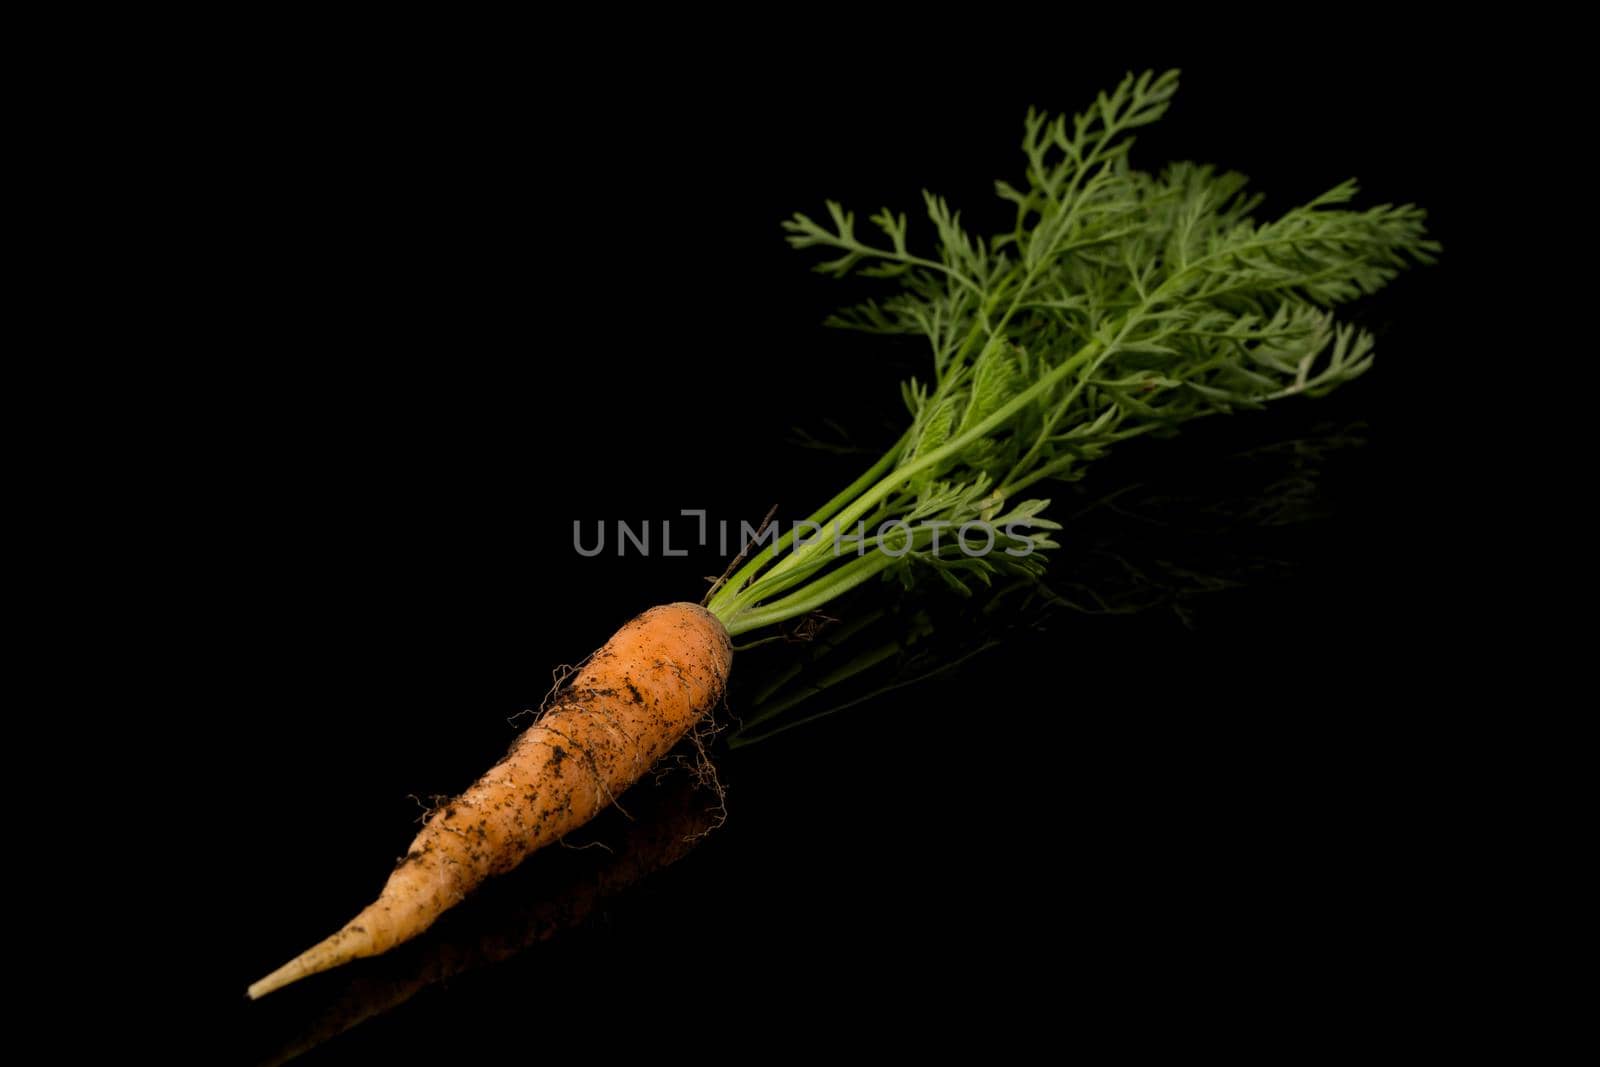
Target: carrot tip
[
  {"x": 342, "y": 947},
  {"x": 292, "y": 971}
]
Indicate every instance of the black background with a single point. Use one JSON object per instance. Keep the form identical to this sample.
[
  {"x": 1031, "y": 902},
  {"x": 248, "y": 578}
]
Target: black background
[{"x": 457, "y": 302}]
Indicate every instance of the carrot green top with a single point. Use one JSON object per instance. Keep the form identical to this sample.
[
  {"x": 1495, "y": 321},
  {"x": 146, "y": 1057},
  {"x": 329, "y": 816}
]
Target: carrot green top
[{"x": 1120, "y": 303}]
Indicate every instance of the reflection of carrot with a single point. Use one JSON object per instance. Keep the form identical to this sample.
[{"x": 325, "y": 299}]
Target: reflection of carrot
[
  {"x": 633, "y": 701},
  {"x": 555, "y": 891}
]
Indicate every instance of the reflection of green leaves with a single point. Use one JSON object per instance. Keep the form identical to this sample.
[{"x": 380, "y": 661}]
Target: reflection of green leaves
[{"x": 1217, "y": 522}]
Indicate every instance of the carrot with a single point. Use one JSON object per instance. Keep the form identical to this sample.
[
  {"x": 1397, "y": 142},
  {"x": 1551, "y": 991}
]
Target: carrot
[
  {"x": 634, "y": 699},
  {"x": 1119, "y": 303}
]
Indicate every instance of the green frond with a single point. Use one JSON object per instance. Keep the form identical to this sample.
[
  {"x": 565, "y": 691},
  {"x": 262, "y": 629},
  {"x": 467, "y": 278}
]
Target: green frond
[{"x": 1119, "y": 302}]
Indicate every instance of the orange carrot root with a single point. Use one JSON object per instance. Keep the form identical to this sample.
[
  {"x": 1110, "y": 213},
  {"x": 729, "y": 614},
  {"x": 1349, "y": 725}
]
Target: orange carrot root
[{"x": 624, "y": 710}]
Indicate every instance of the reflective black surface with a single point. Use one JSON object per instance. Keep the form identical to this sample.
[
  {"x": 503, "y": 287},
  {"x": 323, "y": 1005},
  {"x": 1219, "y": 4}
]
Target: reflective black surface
[{"x": 1196, "y": 780}]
